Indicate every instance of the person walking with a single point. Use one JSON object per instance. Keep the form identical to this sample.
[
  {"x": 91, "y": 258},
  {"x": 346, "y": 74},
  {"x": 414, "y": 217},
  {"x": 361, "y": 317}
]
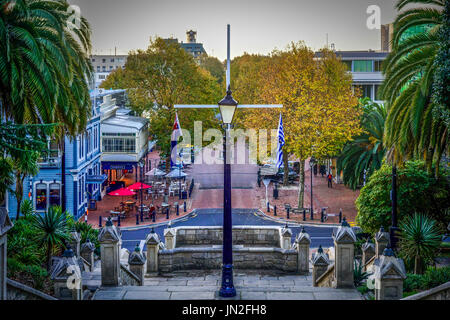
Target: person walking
[
  {"x": 330, "y": 180},
  {"x": 315, "y": 170},
  {"x": 322, "y": 170}
]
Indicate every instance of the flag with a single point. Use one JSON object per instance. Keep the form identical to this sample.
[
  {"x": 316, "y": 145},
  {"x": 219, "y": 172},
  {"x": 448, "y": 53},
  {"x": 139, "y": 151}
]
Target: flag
[
  {"x": 176, "y": 133},
  {"x": 281, "y": 143}
]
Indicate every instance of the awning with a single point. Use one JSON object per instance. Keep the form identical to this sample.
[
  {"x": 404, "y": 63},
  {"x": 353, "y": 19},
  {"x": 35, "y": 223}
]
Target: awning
[{"x": 94, "y": 179}]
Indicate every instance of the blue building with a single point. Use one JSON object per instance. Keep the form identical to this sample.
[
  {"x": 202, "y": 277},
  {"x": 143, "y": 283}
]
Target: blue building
[{"x": 83, "y": 176}]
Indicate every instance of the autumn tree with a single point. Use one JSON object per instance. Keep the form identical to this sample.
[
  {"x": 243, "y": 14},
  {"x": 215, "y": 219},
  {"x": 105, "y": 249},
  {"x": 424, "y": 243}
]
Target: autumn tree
[
  {"x": 158, "y": 78},
  {"x": 320, "y": 111},
  {"x": 214, "y": 67}
]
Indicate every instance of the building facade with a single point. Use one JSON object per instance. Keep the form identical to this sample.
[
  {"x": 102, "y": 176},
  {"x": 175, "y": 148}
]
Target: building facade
[
  {"x": 82, "y": 173},
  {"x": 103, "y": 65}
]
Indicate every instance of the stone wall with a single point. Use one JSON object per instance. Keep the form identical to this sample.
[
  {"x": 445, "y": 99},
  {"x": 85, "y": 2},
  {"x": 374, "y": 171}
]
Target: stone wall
[
  {"x": 19, "y": 291},
  {"x": 326, "y": 280},
  {"x": 127, "y": 277},
  {"x": 441, "y": 292},
  {"x": 189, "y": 258},
  {"x": 256, "y": 236}
]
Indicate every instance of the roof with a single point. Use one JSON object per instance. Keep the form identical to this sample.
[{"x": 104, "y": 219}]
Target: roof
[
  {"x": 358, "y": 54},
  {"x": 103, "y": 92},
  {"x": 123, "y": 123}
]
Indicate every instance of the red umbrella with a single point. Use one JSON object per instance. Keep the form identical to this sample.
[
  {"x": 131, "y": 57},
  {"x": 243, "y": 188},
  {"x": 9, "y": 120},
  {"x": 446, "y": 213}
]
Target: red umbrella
[
  {"x": 122, "y": 192},
  {"x": 138, "y": 186}
]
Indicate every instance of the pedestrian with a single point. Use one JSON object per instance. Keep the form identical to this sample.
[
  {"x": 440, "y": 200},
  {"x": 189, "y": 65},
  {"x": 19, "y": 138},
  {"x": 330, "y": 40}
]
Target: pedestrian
[
  {"x": 322, "y": 170},
  {"x": 315, "y": 170},
  {"x": 330, "y": 180}
]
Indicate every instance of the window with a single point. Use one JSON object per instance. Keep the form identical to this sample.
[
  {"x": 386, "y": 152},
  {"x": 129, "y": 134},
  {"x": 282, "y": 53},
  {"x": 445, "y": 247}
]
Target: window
[
  {"x": 363, "y": 66},
  {"x": 104, "y": 68},
  {"x": 41, "y": 197},
  {"x": 101, "y": 77},
  {"x": 98, "y": 68},
  {"x": 93, "y": 60},
  {"x": 130, "y": 145},
  {"x": 54, "y": 194},
  {"x": 111, "y": 67},
  {"x": 366, "y": 91},
  {"x": 377, "y": 65},
  {"x": 112, "y": 60},
  {"x": 104, "y": 60},
  {"x": 348, "y": 63},
  {"x": 119, "y": 145}
]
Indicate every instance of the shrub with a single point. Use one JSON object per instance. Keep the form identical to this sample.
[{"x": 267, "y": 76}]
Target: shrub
[
  {"x": 38, "y": 275},
  {"x": 359, "y": 276},
  {"x": 417, "y": 191},
  {"x": 431, "y": 279}
]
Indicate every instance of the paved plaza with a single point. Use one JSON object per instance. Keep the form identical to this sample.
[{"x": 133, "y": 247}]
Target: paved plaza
[{"x": 204, "y": 285}]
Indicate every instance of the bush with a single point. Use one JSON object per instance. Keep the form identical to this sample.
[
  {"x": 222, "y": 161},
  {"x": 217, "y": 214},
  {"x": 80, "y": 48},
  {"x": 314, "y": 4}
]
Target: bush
[
  {"x": 38, "y": 275},
  {"x": 417, "y": 191},
  {"x": 431, "y": 279}
]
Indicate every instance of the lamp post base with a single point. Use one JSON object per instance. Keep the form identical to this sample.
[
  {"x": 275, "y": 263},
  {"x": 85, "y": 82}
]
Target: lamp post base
[{"x": 227, "y": 290}]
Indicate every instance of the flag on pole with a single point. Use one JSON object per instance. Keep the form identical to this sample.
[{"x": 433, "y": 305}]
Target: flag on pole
[
  {"x": 176, "y": 133},
  {"x": 281, "y": 143}
]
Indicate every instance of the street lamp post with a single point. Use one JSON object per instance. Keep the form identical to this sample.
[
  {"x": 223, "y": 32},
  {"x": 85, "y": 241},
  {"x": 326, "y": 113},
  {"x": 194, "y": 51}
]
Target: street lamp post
[
  {"x": 227, "y": 108},
  {"x": 141, "y": 165}
]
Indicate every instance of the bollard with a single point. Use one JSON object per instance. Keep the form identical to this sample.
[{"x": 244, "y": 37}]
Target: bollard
[
  {"x": 312, "y": 215},
  {"x": 340, "y": 215},
  {"x": 321, "y": 215},
  {"x": 137, "y": 219},
  {"x": 304, "y": 215},
  {"x": 275, "y": 210},
  {"x": 118, "y": 221},
  {"x": 142, "y": 216},
  {"x": 154, "y": 216},
  {"x": 100, "y": 221},
  {"x": 288, "y": 213},
  {"x": 268, "y": 207},
  {"x": 167, "y": 213},
  {"x": 184, "y": 206},
  {"x": 178, "y": 210}
]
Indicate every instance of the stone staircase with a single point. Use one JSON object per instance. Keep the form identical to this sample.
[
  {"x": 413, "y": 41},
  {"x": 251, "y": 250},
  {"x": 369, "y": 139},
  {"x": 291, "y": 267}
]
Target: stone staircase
[{"x": 201, "y": 285}]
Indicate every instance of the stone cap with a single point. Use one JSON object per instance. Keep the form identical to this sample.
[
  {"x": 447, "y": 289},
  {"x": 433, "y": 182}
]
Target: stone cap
[
  {"x": 286, "y": 232},
  {"x": 5, "y": 221},
  {"x": 88, "y": 246},
  {"x": 320, "y": 258},
  {"x": 368, "y": 246},
  {"x": 61, "y": 264},
  {"x": 169, "y": 232},
  {"x": 389, "y": 267},
  {"x": 152, "y": 238},
  {"x": 303, "y": 237},
  {"x": 344, "y": 234},
  {"x": 382, "y": 236},
  {"x": 136, "y": 257},
  {"x": 75, "y": 236},
  {"x": 109, "y": 233}
]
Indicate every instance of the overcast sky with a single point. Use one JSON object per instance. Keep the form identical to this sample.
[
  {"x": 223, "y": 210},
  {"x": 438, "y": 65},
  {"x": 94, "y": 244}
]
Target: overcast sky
[{"x": 257, "y": 26}]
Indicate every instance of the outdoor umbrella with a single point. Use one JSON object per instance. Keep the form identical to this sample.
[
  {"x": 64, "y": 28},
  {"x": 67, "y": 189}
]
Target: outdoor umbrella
[
  {"x": 155, "y": 172},
  {"x": 138, "y": 186},
  {"x": 176, "y": 174},
  {"x": 122, "y": 192}
]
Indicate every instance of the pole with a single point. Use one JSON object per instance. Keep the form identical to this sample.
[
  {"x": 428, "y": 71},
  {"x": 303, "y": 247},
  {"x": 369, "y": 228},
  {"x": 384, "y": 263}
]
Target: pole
[
  {"x": 227, "y": 289},
  {"x": 312, "y": 209},
  {"x": 394, "y": 229}
]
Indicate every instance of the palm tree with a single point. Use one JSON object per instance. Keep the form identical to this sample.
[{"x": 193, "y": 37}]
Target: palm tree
[
  {"x": 411, "y": 128},
  {"x": 24, "y": 166},
  {"x": 44, "y": 65},
  {"x": 51, "y": 230},
  {"x": 419, "y": 239},
  {"x": 365, "y": 152}
]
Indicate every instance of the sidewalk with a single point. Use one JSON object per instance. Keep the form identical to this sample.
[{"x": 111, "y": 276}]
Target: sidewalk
[{"x": 336, "y": 198}]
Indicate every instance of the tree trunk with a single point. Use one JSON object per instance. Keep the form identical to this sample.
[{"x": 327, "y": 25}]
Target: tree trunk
[
  {"x": 19, "y": 193},
  {"x": 301, "y": 185},
  {"x": 418, "y": 265},
  {"x": 286, "y": 169}
]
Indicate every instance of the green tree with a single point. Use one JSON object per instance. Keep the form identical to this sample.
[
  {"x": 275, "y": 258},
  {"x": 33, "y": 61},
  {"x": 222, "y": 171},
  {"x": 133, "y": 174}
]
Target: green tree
[
  {"x": 51, "y": 230},
  {"x": 365, "y": 153},
  {"x": 417, "y": 191},
  {"x": 24, "y": 166},
  {"x": 419, "y": 240},
  {"x": 214, "y": 67},
  {"x": 162, "y": 76},
  {"x": 411, "y": 129}
]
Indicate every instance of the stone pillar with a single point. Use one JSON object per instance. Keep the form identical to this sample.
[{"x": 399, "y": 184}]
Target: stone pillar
[
  {"x": 320, "y": 264},
  {"x": 110, "y": 239},
  {"x": 5, "y": 225},
  {"x": 87, "y": 252},
  {"x": 66, "y": 276},
  {"x": 153, "y": 243},
  {"x": 381, "y": 242},
  {"x": 344, "y": 243},
  {"x": 389, "y": 275},
  {"x": 286, "y": 238},
  {"x": 368, "y": 251},
  {"x": 75, "y": 239},
  {"x": 303, "y": 243},
  {"x": 136, "y": 261},
  {"x": 170, "y": 237}
]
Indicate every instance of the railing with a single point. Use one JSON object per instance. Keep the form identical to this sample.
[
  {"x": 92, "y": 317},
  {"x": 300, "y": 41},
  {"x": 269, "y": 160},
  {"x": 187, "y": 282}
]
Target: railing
[{"x": 441, "y": 292}]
